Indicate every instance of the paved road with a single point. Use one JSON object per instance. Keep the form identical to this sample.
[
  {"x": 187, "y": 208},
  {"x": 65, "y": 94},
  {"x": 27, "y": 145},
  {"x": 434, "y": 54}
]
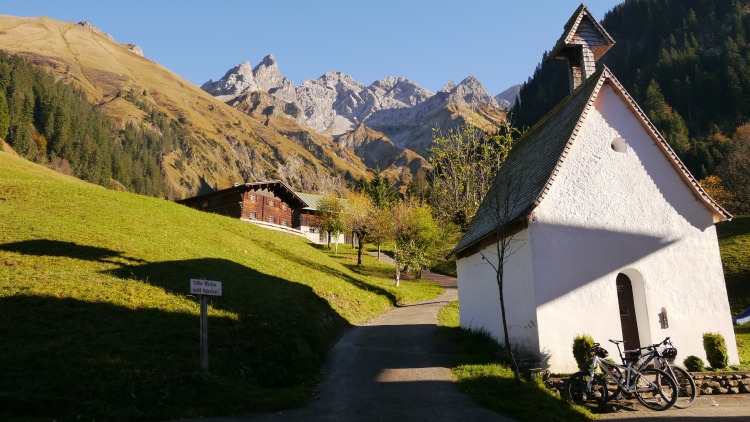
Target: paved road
[
  {"x": 714, "y": 408},
  {"x": 393, "y": 368}
]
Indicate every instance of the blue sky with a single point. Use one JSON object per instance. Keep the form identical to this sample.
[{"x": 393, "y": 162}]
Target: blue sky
[{"x": 429, "y": 42}]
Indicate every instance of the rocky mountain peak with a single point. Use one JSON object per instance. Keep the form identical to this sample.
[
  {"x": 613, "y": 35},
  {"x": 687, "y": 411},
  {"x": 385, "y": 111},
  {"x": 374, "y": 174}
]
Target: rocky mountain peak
[
  {"x": 269, "y": 79},
  {"x": 236, "y": 81},
  {"x": 450, "y": 86},
  {"x": 507, "y": 99},
  {"x": 471, "y": 92}
]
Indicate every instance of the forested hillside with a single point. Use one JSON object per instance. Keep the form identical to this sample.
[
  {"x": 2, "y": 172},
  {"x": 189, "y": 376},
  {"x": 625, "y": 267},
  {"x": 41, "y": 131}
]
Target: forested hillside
[
  {"x": 53, "y": 123},
  {"x": 687, "y": 64}
]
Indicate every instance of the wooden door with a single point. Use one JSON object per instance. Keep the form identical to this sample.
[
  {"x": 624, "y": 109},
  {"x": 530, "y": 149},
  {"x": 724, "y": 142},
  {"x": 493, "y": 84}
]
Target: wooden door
[{"x": 627, "y": 312}]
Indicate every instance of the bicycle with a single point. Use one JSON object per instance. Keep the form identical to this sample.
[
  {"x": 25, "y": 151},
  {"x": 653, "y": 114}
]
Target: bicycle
[
  {"x": 686, "y": 388},
  {"x": 653, "y": 387}
]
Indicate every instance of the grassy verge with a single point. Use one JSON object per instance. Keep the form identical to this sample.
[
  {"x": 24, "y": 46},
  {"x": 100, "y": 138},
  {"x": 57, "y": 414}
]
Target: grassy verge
[
  {"x": 734, "y": 239},
  {"x": 743, "y": 345},
  {"x": 492, "y": 385},
  {"x": 97, "y": 322}
]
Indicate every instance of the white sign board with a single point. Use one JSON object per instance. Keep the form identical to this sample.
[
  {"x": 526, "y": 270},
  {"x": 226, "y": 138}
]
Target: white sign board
[{"x": 205, "y": 287}]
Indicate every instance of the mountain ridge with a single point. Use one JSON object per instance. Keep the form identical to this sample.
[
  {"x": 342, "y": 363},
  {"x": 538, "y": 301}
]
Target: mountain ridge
[
  {"x": 335, "y": 103},
  {"x": 220, "y": 145}
]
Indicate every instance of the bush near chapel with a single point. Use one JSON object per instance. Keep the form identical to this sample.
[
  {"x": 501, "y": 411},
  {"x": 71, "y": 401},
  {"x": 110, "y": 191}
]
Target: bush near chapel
[
  {"x": 581, "y": 345},
  {"x": 716, "y": 350}
]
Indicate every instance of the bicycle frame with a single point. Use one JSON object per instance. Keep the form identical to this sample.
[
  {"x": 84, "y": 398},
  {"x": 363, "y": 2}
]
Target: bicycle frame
[{"x": 625, "y": 381}]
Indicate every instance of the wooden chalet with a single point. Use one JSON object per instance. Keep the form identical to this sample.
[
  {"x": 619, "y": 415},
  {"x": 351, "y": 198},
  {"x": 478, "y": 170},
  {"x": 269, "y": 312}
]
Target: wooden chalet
[{"x": 270, "y": 204}]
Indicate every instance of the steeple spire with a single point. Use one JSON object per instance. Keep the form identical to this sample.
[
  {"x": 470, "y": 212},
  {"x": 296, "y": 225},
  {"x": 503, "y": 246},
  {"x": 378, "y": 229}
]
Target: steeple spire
[{"x": 582, "y": 44}]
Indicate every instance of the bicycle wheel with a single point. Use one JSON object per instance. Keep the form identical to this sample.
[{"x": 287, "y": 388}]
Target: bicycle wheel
[
  {"x": 578, "y": 391},
  {"x": 686, "y": 389},
  {"x": 655, "y": 389}
]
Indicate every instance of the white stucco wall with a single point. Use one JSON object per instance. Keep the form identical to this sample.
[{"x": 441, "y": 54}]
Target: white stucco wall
[
  {"x": 610, "y": 212},
  {"x": 478, "y": 295}
]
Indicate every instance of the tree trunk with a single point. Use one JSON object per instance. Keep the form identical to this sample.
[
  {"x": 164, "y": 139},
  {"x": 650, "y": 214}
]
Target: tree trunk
[
  {"x": 514, "y": 364},
  {"x": 359, "y": 251}
]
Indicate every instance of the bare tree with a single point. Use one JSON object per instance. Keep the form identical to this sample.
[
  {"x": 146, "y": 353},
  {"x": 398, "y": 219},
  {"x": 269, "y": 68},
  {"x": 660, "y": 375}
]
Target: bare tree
[
  {"x": 465, "y": 161},
  {"x": 503, "y": 200}
]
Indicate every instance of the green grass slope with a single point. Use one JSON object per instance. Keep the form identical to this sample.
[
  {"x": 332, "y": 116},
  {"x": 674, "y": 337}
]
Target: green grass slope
[
  {"x": 734, "y": 239},
  {"x": 96, "y": 319}
]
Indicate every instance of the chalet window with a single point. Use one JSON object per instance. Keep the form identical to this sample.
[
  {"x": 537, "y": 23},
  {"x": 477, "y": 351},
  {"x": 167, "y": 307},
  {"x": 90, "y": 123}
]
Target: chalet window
[
  {"x": 284, "y": 223},
  {"x": 253, "y": 197},
  {"x": 270, "y": 202},
  {"x": 271, "y": 219},
  {"x": 253, "y": 215},
  {"x": 284, "y": 206}
]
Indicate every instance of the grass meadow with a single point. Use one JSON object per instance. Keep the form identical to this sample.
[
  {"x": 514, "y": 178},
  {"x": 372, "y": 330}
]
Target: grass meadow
[{"x": 97, "y": 322}]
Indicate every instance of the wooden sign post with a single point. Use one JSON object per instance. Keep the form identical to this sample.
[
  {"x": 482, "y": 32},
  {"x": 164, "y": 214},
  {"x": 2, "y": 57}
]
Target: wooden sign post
[{"x": 204, "y": 288}]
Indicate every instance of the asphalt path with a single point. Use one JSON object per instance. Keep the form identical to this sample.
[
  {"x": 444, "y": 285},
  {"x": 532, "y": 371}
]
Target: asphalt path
[{"x": 393, "y": 368}]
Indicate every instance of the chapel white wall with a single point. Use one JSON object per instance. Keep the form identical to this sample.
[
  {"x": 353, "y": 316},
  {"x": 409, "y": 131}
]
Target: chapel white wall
[
  {"x": 609, "y": 212},
  {"x": 478, "y": 295}
]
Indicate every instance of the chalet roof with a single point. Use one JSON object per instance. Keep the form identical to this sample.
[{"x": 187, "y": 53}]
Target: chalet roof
[
  {"x": 531, "y": 167},
  {"x": 569, "y": 38},
  {"x": 312, "y": 202},
  {"x": 279, "y": 188}
]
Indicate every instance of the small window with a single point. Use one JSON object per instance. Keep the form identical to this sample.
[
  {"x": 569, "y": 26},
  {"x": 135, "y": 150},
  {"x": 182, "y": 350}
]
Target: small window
[
  {"x": 622, "y": 302},
  {"x": 204, "y": 204},
  {"x": 253, "y": 216},
  {"x": 253, "y": 197},
  {"x": 271, "y": 202},
  {"x": 271, "y": 219},
  {"x": 284, "y": 206},
  {"x": 284, "y": 223},
  {"x": 619, "y": 145}
]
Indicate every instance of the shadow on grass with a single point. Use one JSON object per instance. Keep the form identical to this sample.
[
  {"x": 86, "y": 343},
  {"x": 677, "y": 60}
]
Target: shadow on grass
[
  {"x": 489, "y": 381},
  {"x": 65, "y": 357},
  {"x": 47, "y": 247},
  {"x": 328, "y": 270}
]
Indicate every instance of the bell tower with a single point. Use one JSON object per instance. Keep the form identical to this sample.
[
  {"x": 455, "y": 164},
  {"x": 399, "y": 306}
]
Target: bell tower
[{"x": 582, "y": 44}]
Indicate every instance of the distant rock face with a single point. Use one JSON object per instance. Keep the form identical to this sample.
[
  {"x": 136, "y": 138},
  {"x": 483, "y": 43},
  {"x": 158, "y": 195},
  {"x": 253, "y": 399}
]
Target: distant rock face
[
  {"x": 244, "y": 78},
  {"x": 507, "y": 99},
  {"x": 236, "y": 81},
  {"x": 135, "y": 49},
  {"x": 336, "y": 103},
  {"x": 91, "y": 27}
]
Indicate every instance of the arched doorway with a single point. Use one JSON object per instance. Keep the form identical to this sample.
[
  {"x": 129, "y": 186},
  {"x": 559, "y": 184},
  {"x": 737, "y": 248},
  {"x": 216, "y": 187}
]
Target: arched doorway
[{"x": 628, "y": 319}]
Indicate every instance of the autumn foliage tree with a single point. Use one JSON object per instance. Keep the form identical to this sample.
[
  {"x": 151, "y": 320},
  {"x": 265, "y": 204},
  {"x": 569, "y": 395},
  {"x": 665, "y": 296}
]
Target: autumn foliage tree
[
  {"x": 735, "y": 171},
  {"x": 359, "y": 219},
  {"x": 415, "y": 232},
  {"x": 331, "y": 218}
]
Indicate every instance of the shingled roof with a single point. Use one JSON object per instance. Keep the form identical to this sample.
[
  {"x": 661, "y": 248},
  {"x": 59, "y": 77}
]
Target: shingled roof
[
  {"x": 570, "y": 33},
  {"x": 535, "y": 160}
]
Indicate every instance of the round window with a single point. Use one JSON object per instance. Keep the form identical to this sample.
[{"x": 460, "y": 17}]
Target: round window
[{"x": 619, "y": 145}]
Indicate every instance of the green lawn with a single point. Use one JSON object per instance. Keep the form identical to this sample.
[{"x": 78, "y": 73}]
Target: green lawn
[
  {"x": 97, "y": 322},
  {"x": 734, "y": 239},
  {"x": 492, "y": 384}
]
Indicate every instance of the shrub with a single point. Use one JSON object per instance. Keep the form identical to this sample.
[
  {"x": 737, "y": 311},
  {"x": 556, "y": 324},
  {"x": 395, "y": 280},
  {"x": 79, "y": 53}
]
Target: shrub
[
  {"x": 581, "y": 345},
  {"x": 716, "y": 350},
  {"x": 693, "y": 364}
]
